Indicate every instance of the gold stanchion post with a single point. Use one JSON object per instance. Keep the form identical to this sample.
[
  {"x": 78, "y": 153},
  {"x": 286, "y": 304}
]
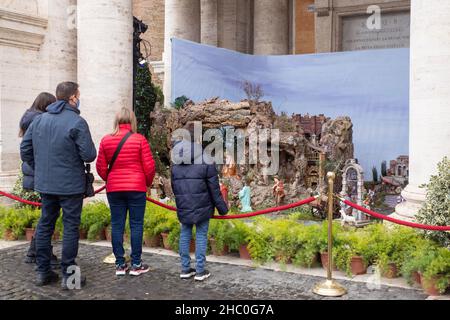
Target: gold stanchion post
[{"x": 329, "y": 287}]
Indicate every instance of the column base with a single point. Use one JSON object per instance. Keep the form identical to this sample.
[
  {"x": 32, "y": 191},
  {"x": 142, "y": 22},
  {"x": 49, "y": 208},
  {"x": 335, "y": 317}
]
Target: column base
[{"x": 414, "y": 199}]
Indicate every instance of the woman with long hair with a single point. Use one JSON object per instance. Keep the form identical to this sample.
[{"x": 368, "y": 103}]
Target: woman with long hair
[
  {"x": 39, "y": 106},
  {"x": 125, "y": 162}
]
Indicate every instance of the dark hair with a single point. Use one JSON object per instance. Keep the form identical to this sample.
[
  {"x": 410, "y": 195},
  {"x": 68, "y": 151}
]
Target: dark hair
[
  {"x": 42, "y": 101},
  {"x": 40, "y": 104},
  {"x": 65, "y": 90}
]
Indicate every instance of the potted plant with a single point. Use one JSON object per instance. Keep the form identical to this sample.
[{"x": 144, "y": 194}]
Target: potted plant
[
  {"x": 259, "y": 247},
  {"x": 419, "y": 259},
  {"x": 151, "y": 237},
  {"x": 30, "y": 218},
  {"x": 307, "y": 254},
  {"x": 436, "y": 278},
  {"x": 108, "y": 233},
  {"x": 239, "y": 233},
  {"x": 393, "y": 248},
  {"x": 323, "y": 243},
  {"x": 283, "y": 236},
  {"x": 12, "y": 225},
  {"x": 59, "y": 229},
  {"x": 219, "y": 237},
  {"x": 97, "y": 217}
]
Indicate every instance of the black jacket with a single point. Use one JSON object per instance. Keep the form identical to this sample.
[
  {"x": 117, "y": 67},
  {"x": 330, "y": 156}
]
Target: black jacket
[
  {"x": 57, "y": 144},
  {"x": 27, "y": 170},
  {"x": 195, "y": 184}
]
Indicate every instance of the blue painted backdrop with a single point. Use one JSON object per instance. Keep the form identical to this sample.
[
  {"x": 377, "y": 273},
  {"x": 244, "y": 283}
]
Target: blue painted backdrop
[{"x": 371, "y": 87}]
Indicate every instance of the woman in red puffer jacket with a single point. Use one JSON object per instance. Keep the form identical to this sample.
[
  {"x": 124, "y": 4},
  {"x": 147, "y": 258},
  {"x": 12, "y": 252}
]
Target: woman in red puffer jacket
[{"x": 126, "y": 186}]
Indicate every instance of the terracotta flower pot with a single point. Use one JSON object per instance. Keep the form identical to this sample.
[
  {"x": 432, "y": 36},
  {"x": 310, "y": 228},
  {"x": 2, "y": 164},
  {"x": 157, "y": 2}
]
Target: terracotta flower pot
[
  {"x": 29, "y": 233},
  {"x": 416, "y": 277},
  {"x": 164, "y": 236},
  {"x": 358, "y": 266},
  {"x": 153, "y": 242},
  {"x": 9, "y": 235},
  {"x": 391, "y": 271},
  {"x": 192, "y": 246},
  {"x": 83, "y": 234},
  {"x": 280, "y": 258},
  {"x": 324, "y": 261},
  {"x": 214, "y": 250},
  {"x": 429, "y": 285},
  {"x": 56, "y": 236},
  {"x": 108, "y": 234},
  {"x": 243, "y": 252}
]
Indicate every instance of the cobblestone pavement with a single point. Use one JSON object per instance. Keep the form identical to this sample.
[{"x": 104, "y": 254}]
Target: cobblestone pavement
[{"x": 226, "y": 281}]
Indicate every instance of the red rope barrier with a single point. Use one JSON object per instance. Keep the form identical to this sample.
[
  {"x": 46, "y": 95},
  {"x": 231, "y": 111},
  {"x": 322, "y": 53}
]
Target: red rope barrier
[
  {"x": 402, "y": 222},
  {"x": 161, "y": 204},
  {"x": 11, "y": 196},
  {"x": 36, "y": 204},
  {"x": 244, "y": 215},
  {"x": 269, "y": 210}
]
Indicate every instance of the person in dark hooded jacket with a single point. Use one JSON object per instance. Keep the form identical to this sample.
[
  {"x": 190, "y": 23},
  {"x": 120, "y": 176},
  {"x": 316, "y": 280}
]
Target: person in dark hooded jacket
[
  {"x": 195, "y": 184},
  {"x": 40, "y": 104},
  {"x": 57, "y": 145}
]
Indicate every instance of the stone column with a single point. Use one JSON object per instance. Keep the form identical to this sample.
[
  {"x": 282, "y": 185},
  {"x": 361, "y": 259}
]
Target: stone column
[
  {"x": 271, "y": 27},
  {"x": 208, "y": 22},
  {"x": 429, "y": 127},
  {"x": 182, "y": 20},
  {"x": 105, "y": 61}
]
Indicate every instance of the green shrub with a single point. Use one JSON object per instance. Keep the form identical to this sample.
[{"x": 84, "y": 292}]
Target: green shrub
[
  {"x": 436, "y": 210},
  {"x": 94, "y": 218},
  {"x": 419, "y": 259},
  {"x": 220, "y": 231},
  {"x": 24, "y": 194},
  {"x": 439, "y": 267},
  {"x": 239, "y": 234},
  {"x": 307, "y": 239}
]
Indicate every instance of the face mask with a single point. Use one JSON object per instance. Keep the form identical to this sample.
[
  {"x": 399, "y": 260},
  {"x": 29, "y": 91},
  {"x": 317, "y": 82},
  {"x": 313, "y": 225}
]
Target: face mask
[{"x": 78, "y": 103}]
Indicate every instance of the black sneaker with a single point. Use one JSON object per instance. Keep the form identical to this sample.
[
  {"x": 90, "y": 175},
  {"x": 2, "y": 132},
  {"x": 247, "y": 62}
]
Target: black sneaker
[
  {"x": 202, "y": 275},
  {"x": 138, "y": 270},
  {"x": 30, "y": 259},
  {"x": 46, "y": 279},
  {"x": 64, "y": 285},
  {"x": 187, "y": 274},
  {"x": 122, "y": 270}
]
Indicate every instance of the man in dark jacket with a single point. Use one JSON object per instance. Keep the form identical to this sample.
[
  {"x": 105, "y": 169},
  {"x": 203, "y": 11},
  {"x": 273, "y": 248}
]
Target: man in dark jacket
[
  {"x": 195, "y": 185},
  {"x": 57, "y": 144}
]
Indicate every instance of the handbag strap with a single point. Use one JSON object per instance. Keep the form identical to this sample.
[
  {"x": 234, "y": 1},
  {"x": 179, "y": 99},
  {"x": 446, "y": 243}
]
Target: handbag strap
[{"x": 119, "y": 147}]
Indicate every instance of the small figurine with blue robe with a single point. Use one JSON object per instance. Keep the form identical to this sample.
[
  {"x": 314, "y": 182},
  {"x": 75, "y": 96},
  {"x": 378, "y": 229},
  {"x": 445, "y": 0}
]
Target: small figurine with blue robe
[{"x": 245, "y": 198}]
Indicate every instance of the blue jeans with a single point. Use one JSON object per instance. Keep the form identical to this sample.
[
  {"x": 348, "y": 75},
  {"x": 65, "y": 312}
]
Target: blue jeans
[
  {"x": 51, "y": 206},
  {"x": 201, "y": 242},
  {"x": 120, "y": 203}
]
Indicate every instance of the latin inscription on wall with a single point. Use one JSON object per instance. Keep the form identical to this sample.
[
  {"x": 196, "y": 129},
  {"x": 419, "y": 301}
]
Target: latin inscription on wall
[{"x": 394, "y": 32}]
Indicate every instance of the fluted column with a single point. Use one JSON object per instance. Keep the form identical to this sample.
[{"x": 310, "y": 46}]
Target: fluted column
[
  {"x": 208, "y": 22},
  {"x": 105, "y": 61},
  {"x": 429, "y": 124},
  {"x": 182, "y": 20},
  {"x": 271, "y": 27}
]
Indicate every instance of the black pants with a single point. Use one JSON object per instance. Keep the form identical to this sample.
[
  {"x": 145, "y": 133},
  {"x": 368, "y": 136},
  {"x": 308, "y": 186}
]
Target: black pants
[
  {"x": 32, "y": 251},
  {"x": 51, "y": 206}
]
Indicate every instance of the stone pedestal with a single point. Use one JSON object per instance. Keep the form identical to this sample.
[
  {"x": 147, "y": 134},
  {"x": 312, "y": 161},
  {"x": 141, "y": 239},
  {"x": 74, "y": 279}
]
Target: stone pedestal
[
  {"x": 182, "y": 20},
  {"x": 429, "y": 126},
  {"x": 105, "y": 61},
  {"x": 271, "y": 27}
]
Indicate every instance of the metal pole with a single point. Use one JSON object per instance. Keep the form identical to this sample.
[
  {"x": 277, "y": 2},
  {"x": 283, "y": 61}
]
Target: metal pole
[{"x": 329, "y": 287}]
